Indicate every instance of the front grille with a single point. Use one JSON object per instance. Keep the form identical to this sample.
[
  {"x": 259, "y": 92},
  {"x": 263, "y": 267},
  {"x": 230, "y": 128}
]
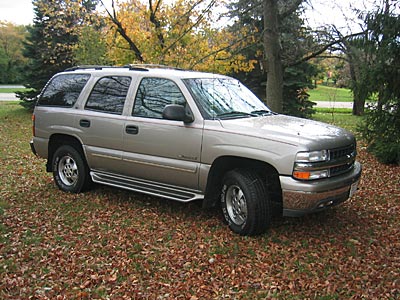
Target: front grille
[
  {"x": 342, "y": 159},
  {"x": 342, "y": 152},
  {"x": 339, "y": 161},
  {"x": 341, "y": 169}
]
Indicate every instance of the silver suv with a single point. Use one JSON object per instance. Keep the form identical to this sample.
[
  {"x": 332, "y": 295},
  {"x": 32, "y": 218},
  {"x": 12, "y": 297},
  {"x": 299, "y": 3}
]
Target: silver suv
[{"x": 187, "y": 135}]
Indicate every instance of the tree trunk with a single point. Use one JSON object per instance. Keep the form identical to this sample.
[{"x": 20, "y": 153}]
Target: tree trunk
[
  {"x": 358, "y": 106},
  {"x": 272, "y": 48},
  {"x": 358, "y": 98}
]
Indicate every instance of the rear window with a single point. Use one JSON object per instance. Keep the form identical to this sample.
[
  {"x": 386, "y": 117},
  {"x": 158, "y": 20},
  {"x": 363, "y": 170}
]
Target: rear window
[{"x": 63, "y": 90}]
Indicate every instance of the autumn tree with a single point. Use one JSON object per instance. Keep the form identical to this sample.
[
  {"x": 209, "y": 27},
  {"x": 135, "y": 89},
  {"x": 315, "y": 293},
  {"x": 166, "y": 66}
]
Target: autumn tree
[
  {"x": 181, "y": 34},
  {"x": 51, "y": 40},
  {"x": 12, "y": 60},
  {"x": 91, "y": 47}
]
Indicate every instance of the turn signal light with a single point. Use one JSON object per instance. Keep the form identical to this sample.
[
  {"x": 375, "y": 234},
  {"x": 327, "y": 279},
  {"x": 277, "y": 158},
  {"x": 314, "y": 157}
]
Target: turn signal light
[
  {"x": 310, "y": 175},
  {"x": 301, "y": 175}
]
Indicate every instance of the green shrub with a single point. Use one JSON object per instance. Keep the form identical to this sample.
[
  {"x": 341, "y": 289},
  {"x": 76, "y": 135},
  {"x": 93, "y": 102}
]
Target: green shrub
[{"x": 381, "y": 130}]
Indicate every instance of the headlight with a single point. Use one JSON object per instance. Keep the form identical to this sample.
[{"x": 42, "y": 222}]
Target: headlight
[
  {"x": 311, "y": 165},
  {"x": 313, "y": 156}
]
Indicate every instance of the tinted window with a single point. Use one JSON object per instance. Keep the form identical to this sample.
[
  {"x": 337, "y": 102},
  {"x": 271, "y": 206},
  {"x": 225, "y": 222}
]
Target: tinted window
[
  {"x": 153, "y": 95},
  {"x": 63, "y": 90},
  {"x": 109, "y": 94}
]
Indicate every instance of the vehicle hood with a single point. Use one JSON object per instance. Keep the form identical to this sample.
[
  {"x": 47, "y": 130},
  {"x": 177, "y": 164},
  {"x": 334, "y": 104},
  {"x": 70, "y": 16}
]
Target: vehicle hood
[{"x": 292, "y": 130}]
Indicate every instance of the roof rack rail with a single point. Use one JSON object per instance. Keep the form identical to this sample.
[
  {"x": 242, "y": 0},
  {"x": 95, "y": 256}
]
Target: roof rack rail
[
  {"x": 150, "y": 66},
  {"x": 84, "y": 67},
  {"x": 132, "y": 67}
]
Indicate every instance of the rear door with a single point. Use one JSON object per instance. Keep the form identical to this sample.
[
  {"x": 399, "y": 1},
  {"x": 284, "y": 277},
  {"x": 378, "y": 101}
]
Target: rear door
[{"x": 102, "y": 123}]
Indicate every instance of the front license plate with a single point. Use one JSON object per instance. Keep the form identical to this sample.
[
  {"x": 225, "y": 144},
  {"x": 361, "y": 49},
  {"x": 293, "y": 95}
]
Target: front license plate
[{"x": 353, "y": 189}]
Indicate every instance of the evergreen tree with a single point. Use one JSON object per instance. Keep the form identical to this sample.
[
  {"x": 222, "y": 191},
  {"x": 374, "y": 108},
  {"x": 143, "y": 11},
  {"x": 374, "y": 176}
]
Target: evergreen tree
[
  {"x": 381, "y": 127},
  {"x": 294, "y": 42},
  {"x": 51, "y": 41}
]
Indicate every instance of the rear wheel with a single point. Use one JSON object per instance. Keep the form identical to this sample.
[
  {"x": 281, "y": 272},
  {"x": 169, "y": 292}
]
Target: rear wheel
[
  {"x": 245, "y": 202},
  {"x": 70, "y": 171}
]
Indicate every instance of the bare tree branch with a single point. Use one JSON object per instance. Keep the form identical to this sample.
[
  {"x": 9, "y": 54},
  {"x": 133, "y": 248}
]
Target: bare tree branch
[
  {"x": 197, "y": 22},
  {"x": 121, "y": 30},
  {"x": 316, "y": 53},
  {"x": 187, "y": 14},
  {"x": 156, "y": 21},
  {"x": 220, "y": 50}
]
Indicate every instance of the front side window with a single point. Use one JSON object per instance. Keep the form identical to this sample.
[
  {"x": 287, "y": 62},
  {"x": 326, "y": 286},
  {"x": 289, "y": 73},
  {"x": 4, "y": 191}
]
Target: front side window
[
  {"x": 109, "y": 94},
  {"x": 63, "y": 90},
  {"x": 153, "y": 95},
  {"x": 221, "y": 98}
]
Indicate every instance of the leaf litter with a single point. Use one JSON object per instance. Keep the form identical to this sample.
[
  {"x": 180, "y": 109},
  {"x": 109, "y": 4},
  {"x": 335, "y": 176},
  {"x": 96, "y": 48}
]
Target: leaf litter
[{"x": 113, "y": 244}]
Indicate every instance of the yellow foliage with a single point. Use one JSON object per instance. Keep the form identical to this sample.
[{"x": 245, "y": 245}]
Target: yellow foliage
[{"x": 185, "y": 37}]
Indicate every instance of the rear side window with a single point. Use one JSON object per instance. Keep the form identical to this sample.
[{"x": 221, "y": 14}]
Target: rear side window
[
  {"x": 63, "y": 90},
  {"x": 109, "y": 94}
]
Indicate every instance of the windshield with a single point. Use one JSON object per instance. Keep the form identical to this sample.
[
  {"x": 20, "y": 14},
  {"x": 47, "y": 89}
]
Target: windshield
[{"x": 223, "y": 98}]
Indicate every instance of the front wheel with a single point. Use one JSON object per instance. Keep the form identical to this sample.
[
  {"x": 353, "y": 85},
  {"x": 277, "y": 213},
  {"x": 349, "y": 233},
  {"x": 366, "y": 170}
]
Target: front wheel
[
  {"x": 70, "y": 171},
  {"x": 245, "y": 202}
]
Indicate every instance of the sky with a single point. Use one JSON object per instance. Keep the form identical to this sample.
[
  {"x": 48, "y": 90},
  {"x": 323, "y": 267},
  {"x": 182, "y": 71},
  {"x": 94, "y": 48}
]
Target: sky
[
  {"x": 323, "y": 11},
  {"x": 19, "y": 12}
]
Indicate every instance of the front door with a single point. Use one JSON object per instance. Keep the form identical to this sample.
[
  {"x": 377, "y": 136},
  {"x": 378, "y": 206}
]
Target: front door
[{"x": 157, "y": 149}]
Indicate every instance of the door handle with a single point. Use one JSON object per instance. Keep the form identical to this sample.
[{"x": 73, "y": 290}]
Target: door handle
[
  {"x": 84, "y": 123},
  {"x": 132, "y": 129}
]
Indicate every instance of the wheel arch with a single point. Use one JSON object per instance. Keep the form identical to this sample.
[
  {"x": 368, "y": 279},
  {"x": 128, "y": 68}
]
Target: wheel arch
[
  {"x": 57, "y": 140},
  {"x": 224, "y": 164}
]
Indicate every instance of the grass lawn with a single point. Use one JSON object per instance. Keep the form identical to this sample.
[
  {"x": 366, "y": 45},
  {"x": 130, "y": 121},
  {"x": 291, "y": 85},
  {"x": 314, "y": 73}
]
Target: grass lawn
[
  {"x": 114, "y": 244},
  {"x": 341, "y": 117},
  {"x": 12, "y": 90},
  {"x": 326, "y": 93}
]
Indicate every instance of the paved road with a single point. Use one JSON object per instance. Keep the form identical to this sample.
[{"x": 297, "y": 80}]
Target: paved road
[
  {"x": 331, "y": 104},
  {"x": 8, "y": 97},
  {"x": 11, "y": 86}
]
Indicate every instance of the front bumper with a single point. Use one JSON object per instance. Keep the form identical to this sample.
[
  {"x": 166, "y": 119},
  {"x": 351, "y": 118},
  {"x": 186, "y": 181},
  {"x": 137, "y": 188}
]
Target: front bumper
[{"x": 301, "y": 197}]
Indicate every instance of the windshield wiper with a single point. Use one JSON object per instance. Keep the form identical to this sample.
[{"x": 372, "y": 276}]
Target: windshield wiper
[
  {"x": 262, "y": 112},
  {"x": 234, "y": 114}
]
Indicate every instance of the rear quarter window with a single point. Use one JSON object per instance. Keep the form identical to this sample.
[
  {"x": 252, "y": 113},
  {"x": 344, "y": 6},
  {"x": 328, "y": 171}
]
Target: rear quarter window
[{"x": 63, "y": 90}]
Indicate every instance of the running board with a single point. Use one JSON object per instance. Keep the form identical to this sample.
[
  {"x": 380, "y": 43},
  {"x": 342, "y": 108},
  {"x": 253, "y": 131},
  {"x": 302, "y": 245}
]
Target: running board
[{"x": 146, "y": 186}]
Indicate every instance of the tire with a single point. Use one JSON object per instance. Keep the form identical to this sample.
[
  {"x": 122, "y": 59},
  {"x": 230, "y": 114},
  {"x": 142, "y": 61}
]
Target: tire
[
  {"x": 245, "y": 202},
  {"x": 70, "y": 171}
]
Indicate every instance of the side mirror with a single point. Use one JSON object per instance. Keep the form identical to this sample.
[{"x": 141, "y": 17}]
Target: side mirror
[{"x": 176, "y": 112}]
